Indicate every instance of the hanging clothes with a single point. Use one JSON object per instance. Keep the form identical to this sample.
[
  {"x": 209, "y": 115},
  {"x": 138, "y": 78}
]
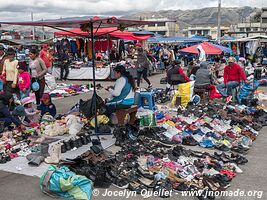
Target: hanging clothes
[{"x": 73, "y": 46}]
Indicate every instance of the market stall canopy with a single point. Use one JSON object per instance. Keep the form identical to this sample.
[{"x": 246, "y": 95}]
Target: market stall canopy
[
  {"x": 206, "y": 46},
  {"x": 111, "y": 31},
  {"x": 85, "y": 22},
  {"x": 201, "y": 38}
]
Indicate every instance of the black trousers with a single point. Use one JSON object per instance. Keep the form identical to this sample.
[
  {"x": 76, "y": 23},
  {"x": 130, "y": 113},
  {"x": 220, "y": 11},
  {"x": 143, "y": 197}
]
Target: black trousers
[
  {"x": 144, "y": 74},
  {"x": 64, "y": 67}
]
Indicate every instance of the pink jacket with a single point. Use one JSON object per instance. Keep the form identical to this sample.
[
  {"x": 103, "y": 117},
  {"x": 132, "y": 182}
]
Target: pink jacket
[{"x": 24, "y": 80}]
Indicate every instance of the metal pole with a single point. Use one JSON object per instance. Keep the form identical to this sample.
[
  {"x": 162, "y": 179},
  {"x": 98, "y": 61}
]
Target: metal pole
[
  {"x": 33, "y": 29},
  {"x": 94, "y": 83},
  {"x": 219, "y": 22}
]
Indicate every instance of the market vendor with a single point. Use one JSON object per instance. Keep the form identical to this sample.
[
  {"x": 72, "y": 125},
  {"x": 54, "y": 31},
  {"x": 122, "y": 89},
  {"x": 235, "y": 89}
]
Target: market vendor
[
  {"x": 122, "y": 94},
  {"x": 204, "y": 77},
  {"x": 175, "y": 75},
  {"x": 233, "y": 74},
  {"x": 6, "y": 117}
]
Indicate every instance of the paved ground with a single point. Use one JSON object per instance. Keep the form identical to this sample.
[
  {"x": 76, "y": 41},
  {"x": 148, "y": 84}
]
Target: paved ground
[{"x": 254, "y": 178}]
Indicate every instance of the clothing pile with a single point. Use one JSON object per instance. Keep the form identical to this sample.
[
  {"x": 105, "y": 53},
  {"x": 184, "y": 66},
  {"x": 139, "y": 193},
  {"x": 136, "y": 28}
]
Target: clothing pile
[{"x": 65, "y": 90}]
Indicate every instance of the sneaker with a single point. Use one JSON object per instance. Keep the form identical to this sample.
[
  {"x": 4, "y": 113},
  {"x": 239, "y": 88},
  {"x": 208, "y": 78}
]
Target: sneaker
[
  {"x": 150, "y": 86},
  {"x": 228, "y": 99}
]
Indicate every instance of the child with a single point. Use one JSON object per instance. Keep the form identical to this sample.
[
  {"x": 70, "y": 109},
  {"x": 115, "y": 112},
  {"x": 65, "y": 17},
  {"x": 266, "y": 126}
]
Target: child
[
  {"x": 47, "y": 107},
  {"x": 31, "y": 113},
  {"x": 24, "y": 80}
]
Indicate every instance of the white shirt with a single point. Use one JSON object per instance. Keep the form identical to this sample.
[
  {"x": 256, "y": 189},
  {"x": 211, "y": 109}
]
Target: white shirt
[{"x": 119, "y": 85}]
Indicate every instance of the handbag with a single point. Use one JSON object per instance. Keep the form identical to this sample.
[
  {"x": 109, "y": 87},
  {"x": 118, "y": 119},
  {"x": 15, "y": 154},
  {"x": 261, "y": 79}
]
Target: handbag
[{"x": 35, "y": 86}]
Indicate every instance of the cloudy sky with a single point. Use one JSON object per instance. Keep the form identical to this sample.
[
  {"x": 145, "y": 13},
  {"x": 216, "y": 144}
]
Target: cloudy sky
[{"x": 11, "y": 10}]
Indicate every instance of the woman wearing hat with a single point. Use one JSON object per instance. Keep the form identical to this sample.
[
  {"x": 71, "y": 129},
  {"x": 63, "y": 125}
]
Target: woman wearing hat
[
  {"x": 10, "y": 72},
  {"x": 122, "y": 94},
  {"x": 37, "y": 72}
]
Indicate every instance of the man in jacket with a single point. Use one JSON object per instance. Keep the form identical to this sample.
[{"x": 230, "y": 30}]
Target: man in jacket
[
  {"x": 233, "y": 74},
  {"x": 204, "y": 77}
]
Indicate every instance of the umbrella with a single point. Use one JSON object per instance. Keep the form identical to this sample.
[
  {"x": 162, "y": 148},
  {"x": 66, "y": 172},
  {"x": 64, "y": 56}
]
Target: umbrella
[
  {"x": 223, "y": 48},
  {"x": 206, "y": 46}
]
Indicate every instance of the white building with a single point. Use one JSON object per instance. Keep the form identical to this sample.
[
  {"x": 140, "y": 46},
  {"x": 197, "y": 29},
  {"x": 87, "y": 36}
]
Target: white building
[
  {"x": 204, "y": 30},
  {"x": 163, "y": 26}
]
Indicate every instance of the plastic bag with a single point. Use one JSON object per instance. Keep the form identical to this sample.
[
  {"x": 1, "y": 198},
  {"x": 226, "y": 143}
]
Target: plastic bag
[{"x": 61, "y": 182}]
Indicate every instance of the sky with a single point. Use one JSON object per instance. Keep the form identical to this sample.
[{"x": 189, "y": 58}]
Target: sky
[{"x": 19, "y": 10}]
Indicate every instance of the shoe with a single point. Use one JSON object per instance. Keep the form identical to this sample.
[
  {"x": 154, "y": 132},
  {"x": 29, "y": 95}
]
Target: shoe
[
  {"x": 150, "y": 86},
  {"x": 79, "y": 142},
  {"x": 55, "y": 155},
  {"x": 228, "y": 99},
  {"x": 190, "y": 141},
  {"x": 84, "y": 140},
  {"x": 120, "y": 183},
  {"x": 63, "y": 148},
  {"x": 67, "y": 145}
]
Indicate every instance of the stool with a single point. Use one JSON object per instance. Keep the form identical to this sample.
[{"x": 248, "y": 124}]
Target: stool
[
  {"x": 121, "y": 114},
  {"x": 147, "y": 100},
  {"x": 203, "y": 93}
]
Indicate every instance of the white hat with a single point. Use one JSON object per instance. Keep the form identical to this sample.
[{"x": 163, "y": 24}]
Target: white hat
[{"x": 27, "y": 100}]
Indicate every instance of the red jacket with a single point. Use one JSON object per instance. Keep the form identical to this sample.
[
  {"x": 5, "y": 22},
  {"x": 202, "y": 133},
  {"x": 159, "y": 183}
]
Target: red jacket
[{"x": 233, "y": 74}]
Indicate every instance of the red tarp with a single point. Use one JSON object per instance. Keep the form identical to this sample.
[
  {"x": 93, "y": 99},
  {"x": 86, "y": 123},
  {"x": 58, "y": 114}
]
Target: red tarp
[
  {"x": 207, "y": 47},
  {"x": 111, "y": 31}
]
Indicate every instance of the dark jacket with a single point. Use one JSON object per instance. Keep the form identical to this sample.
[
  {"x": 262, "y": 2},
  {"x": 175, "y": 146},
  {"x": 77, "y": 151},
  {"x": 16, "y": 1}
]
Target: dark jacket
[
  {"x": 47, "y": 109},
  {"x": 203, "y": 75},
  {"x": 142, "y": 61},
  {"x": 175, "y": 69},
  {"x": 2, "y": 63}
]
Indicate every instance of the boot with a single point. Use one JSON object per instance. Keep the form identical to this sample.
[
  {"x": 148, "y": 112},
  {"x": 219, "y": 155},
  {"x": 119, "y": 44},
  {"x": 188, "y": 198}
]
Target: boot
[
  {"x": 44, "y": 150},
  {"x": 55, "y": 155}
]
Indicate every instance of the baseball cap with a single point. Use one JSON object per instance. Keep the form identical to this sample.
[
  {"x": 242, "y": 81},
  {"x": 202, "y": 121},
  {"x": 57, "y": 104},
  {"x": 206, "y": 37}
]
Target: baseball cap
[{"x": 45, "y": 97}]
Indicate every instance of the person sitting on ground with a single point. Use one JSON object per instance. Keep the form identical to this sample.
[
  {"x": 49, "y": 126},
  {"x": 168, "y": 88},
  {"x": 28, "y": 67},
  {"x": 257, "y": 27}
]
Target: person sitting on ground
[
  {"x": 204, "y": 77},
  {"x": 47, "y": 107},
  {"x": 24, "y": 80},
  {"x": 31, "y": 113},
  {"x": 6, "y": 117},
  {"x": 233, "y": 74},
  {"x": 175, "y": 75},
  {"x": 122, "y": 94}
]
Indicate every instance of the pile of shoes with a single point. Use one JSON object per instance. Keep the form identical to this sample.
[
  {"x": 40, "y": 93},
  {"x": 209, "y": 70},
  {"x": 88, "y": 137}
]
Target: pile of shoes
[
  {"x": 150, "y": 165},
  {"x": 75, "y": 142}
]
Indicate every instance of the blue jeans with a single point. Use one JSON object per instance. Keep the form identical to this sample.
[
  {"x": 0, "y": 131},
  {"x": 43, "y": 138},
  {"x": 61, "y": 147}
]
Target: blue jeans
[
  {"x": 24, "y": 95},
  {"x": 226, "y": 90}
]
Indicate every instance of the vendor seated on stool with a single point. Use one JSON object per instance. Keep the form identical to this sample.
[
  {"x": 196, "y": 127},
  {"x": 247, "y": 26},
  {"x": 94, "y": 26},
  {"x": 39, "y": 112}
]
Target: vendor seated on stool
[
  {"x": 233, "y": 74},
  {"x": 175, "y": 69},
  {"x": 122, "y": 94},
  {"x": 204, "y": 77}
]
